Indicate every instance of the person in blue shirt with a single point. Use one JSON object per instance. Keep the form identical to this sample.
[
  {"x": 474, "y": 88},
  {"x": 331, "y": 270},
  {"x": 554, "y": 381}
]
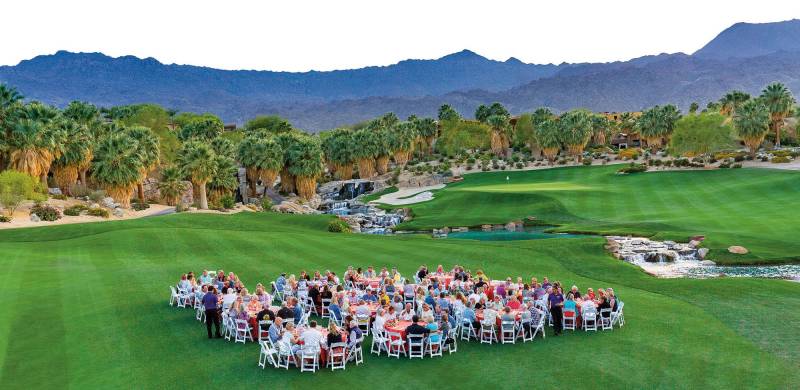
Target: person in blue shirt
[
  {"x": 469, "y": 314},
  {"x": 430, "y": 300},
  {"x": 335, "y": 311},
  {"x": 443, "y": 303},
  {"x": 276, "y": 330},
  {"x": 370, "y": 296},
  {"x": 280, "y": 283},
  {"x": 298, "y": 311}
]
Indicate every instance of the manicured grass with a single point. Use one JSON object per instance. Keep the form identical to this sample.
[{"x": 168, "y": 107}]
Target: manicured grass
[
  {"x": 754, "y": 208},
  {"x": 86, "y": 306}
]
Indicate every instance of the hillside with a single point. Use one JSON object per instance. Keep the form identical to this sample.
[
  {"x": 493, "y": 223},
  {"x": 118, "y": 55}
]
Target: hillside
[{"x": 753, "y": 39}]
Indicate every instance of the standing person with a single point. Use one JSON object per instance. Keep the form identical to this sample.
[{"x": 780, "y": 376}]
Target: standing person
[
  {"x": 212, "y": 312},
  {"x": 556, "y": 303}
]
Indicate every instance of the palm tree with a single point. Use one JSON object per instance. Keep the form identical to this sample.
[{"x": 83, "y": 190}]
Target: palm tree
[
  {"x": 224, "y": 181},
  {"x": 779, "y": 101},
  {"x": 197, "y": 160},
  {"x": 601, "y": 129},
  {"x": 117, "y": 166},
  {"x": 367, "y": 148},
  {"x": 731, "y": 101},
  {"x": 538, "y": 116},
  {"x": 657, "y": 124},
  {"x": 500, "y": 134},
  {"x": 385, "y": 150},
  {"x": 627, "y": 125},
  {"x": 693, "y": 108},
  {"x": 148, "y": 148},
  {"x": 287, "y": 141},
  {"x": 262, "y": 158},
  {"x": 223, "y": 147},
  {"x": 427, "y": 129},
  {"x": 402, "y": 140},
  {"x": 447, "y": 113},
  {"x": 77, "y": 154},
  {"x": 171, "y": 185},
  {"x": 752, "y": 123},
  {"x": 339, "y": 149},
  {"x": 34, "y": 141},
  {"x": 548, "y": 138},
  {"x": 576, "y": 131},
  {"x": 306, "y": 165}
]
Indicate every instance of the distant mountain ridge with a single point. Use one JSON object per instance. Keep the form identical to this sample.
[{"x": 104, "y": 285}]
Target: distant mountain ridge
[{"x": 744, "y": 56}]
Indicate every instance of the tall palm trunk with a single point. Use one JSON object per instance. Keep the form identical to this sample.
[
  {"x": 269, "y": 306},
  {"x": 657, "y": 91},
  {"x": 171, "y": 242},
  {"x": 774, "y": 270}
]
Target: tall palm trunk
[
  {"x": 140, "y": 191},
  {"x": 201, "y": 187},
  {"x": 382, "y": 164}
]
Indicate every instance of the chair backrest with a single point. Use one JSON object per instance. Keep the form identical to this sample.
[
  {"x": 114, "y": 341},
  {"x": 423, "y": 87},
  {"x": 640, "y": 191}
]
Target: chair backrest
[
  {"x": 569, "y": 314},
  {"x": 416, "y": 339}
]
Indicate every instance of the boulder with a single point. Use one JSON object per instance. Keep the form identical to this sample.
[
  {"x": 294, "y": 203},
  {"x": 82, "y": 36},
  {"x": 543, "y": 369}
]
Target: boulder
[
  {"x": 54, "y": 191},
  {"x": 151, "y": 191},
  {"x": 702, "y": 252},
  {"x": 187, "y": 197},
  {"x": 288, "y": 207},
  {"x": 118, "y": 212},
  {"x": 108, "y": 202},
  {"x": 486, "y": 228},
  {"x": 35, "y": 218},
  {"x": 511, "y": 227},
  {"x": 739, "y": 250},
  {"x": 446, "y": 230},
  {"x": 694, "y": 243},
  {"x": 708, "y": 263}
]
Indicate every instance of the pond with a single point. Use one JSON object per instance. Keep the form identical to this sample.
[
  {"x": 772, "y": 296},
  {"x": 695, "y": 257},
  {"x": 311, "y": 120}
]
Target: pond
[{"x": 527, "y": 233}]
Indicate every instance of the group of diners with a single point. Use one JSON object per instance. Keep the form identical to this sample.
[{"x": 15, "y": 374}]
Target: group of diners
[{"x": 437, "y": 305}]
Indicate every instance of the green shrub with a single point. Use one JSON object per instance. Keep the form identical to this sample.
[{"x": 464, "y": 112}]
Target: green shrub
[
  {"x": 98, "y": 212},
  {"x": 338, "y": 226},
  {"x": 736, "y": 166},
  {"x": 781, "y": 160},
  {"x": 266, "y": 204},
  {"x": 80, "y": 191},
  {"x": 97, "y": 196},
  {"x": 782, "y": 153},
  {"x": 46, "y": 212},
  {"x": 138, "y": 206},
  {"x": 59, "y": 196},
  {"x": 76, "y": 210},
  {"x": 587, "y": 162},
  {"x": 519, "y": 165},
  {"x": 628, "y": 154},
  {"x": 4, "y": 219},
  {"x": 227, "y": 202},
  {"x": 633, "y": 168}
]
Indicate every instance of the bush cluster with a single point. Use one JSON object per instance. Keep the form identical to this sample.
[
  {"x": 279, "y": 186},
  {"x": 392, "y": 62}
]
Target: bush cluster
[
  {"x": 98, "y": 212},
  {"x": 46, "y": 212},
  {"x": 633, "y": 168},
  {"x": 76, "y": 210},
  {"x": 338, "y": 226},
  {"x": 4, "y": 219},
  {"x": 139, "y": 206}
]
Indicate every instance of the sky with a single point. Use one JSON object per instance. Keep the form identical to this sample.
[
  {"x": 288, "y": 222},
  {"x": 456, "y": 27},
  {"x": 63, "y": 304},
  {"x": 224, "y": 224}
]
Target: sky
[{"x": 301, "y": 35}]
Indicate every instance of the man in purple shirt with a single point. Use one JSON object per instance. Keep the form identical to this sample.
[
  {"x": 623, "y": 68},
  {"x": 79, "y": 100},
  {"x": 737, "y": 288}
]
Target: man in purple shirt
[
  {"x": 555, "y": 304},
  {"x": 212, "y": 314}
]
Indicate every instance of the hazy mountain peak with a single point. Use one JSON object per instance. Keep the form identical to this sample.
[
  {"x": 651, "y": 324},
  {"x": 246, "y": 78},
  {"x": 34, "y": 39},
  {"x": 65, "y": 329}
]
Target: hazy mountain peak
[{"x": 753, "y": 39}]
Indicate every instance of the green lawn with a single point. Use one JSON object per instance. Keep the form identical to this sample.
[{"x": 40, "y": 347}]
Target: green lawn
[
  {"x": 754, "y": 208},
  {"x": 86, "y": 307}
]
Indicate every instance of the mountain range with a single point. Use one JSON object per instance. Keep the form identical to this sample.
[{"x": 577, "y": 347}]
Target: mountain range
[{"x": 744, "y": 56}]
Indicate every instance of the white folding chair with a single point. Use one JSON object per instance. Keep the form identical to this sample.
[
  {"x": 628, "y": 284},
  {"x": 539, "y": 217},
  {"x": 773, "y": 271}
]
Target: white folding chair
[
  {"x": 285, "y": 357},
  {"x": 337, "y": 356},
  {"x": 508, "y": 332},
  {"x": 311, "y": 307},
  {"x": 617, "y": 317},
  {"x": 278, "y": 293},
  {"x": 183, "y": 298},
  {"x": 487, "y": 333},
  {"x": 524, "y": 330},
  {"x": 363, "y": 323},
  {"x": 396, "y": 344},
  {"x": 263, "y": 329},
  {"x": 605, "y": 319},
  {"x": 173, "y": 296},
  {"x": 309, "y": 360},
  {"x": 268, "y": 355},
  {"x": 434, "y": 348},
  {"x": 539, "y": 326},
  {"x": 325, "y": 303},
  {"x": 355, "y": 352},
  {"x": 568, "y": 320},
  {"x": 199, "y": 310},
  {"x": 242, "y": 331},
  {"x": 227, "y": 326},
  {"x": 452, "y": 335},
  {"x": 467, "y": 330},
  {"x": 416, "y": 346},
  {"x": 589, "y": 317},
  {"x": 379, "y": 341}
]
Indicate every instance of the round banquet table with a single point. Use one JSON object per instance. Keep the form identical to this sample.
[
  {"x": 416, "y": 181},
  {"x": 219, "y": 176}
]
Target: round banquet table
[
  {"x": 400, "y": 327},
  {"x": 373, "y": 308}
]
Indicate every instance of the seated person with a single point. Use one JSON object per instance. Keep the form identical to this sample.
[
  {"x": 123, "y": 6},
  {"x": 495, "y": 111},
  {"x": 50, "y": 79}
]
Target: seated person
[
  {"x": 205, "y": 278},
  {"x": 297, "y": 311},
  {"x": 335, "y": 311},
  {"x": 416, "y": 329},
  {"x": 575, "y": 293},
  {"x": 288, "y": 341},
  {"x": 285, "y": 312},
  {"x": 312, "y": 337},
  {"x": 408, "y": 313},
  {"x": 265, "y": 313},
  {"x": 362, "y": 310},
  {"x": 443, "y": 303},
  {"x": 380, "y": 319},
  {"x": 426, "y": 313},
  {"x": 507, "y": 317},
  {"x": 569, "y": 305},
  {"x": 514, "y": 303},
  {"x": 276, "y": 330},
  {"x": 370, "y": 296},
  {"x": 489, "y": 316},
  {"x": 334, "y": 335},
  {"x": 434, "y": 336}
]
